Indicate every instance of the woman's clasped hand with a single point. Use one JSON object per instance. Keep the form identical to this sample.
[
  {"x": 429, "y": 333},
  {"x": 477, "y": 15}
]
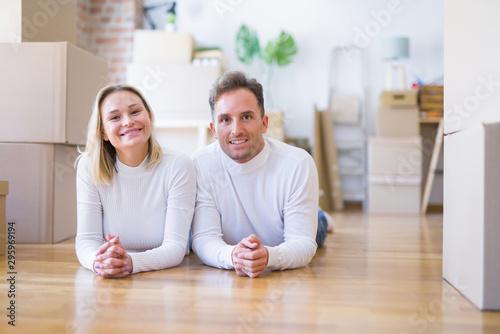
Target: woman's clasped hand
[{"x": 112, "y": 260}]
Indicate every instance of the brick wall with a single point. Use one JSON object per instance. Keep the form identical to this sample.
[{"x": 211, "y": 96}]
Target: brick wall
[
  {"x": 106, "y": 28},
  {"x": 82, "y": 24}
]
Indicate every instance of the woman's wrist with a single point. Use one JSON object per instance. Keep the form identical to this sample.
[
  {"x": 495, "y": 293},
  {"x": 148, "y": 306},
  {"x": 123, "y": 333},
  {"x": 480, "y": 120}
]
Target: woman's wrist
[{"x": 131, "y": 265}]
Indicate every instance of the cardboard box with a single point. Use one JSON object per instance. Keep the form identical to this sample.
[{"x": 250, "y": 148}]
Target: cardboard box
[
  {"x": 398, "y": 122},
  {"x": 394, "y": 194},
  {"x": 175, "y": 91},
  {"x": 432, "y": 91},
  {"x": 471, "y": 228},
  {"x": 399, "y": 98},
  {"x": 161, "y": 46},
  {"x": 471, "y": 71},
  {"x": 276, "y": 125},
  {"x": 42, "y": 197},
  {"x": 38, "y": 21},
  {"x": 4, "y": 191},
  {"x": 397, "y": 156},
  {"x": 49, "y": 94}
]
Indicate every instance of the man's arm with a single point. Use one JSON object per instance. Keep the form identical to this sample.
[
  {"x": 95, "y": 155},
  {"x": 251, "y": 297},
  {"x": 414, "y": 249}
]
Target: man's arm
[
  {"x": 300, "y": 221},
  {"x": 207, "y": 239}
]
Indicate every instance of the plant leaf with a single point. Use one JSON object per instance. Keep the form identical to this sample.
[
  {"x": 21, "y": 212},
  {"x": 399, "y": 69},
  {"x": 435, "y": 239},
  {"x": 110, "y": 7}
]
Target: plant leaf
[
  {"x": 247, "y": 45},
  {"x": 285, "y": 48},
  {"x": 268, "y": 54}
]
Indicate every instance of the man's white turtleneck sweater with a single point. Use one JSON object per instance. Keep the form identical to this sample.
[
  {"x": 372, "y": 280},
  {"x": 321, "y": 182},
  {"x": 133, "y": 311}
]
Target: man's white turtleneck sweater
[
  {"x": 150, "y": 209},
  {"x": 274, "y": 196}
]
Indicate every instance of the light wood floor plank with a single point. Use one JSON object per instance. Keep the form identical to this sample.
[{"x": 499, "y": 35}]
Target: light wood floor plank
[{"x": 377, "y": 274}]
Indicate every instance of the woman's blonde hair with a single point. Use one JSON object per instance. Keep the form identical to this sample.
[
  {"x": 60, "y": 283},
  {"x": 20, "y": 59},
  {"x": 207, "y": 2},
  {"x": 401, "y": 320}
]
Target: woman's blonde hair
[{"x": 101, "y": 154}]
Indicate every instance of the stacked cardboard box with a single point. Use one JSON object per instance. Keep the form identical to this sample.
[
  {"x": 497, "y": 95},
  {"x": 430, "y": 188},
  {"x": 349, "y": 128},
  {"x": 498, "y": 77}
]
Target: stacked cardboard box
[
  {"x": 4, "y": 191},
  {"x": 431, "y": 101},
  {"x": 162, "y": 68},
  {"x": 177, "y": 88},
  {"x": 471, "y": 228},
  {"x": 46, "y": 104},
  {"x": 38, "y": 21},
  {"x": 395, "y": 156}
]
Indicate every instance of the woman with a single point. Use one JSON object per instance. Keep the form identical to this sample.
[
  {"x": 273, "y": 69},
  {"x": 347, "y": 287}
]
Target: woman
[{"x": 131, "y": 191}]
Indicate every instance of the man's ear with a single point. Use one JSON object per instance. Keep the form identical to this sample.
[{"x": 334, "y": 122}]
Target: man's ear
[
  {"x": 265, "y": 122},
  {"x": 214, "y": 130}
]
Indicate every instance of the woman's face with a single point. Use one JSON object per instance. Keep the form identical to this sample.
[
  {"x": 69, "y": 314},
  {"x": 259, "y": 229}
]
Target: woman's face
[{"x": 126, "y": 123}]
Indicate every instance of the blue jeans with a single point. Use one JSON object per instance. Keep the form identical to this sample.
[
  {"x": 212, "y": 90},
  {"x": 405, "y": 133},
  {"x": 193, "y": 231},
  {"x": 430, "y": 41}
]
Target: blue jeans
[{"x": 322, "y": 225}]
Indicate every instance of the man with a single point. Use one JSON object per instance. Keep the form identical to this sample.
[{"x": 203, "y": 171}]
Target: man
[{"x": 257, "y": 199}]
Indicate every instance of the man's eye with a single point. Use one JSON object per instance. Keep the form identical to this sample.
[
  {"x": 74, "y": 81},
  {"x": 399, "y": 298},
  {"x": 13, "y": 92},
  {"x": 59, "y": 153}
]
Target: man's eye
[
  {"x": 224, "y": 120},
  {"x": 247, "y": 117}
]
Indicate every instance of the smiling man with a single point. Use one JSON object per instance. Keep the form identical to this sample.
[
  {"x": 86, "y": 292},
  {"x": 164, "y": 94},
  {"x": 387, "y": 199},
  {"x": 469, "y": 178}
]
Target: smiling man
[{"x": 257, "y": 200}]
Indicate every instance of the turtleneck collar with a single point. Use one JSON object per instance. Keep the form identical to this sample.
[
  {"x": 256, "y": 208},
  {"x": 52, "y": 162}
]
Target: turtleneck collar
[
  {"x": 234, "y": 167},
  {"x": 131, "y": 171}
]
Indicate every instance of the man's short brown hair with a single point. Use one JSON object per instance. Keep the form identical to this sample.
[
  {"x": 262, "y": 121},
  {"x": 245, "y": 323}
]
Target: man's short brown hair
[{"x": 231, "y": 81}]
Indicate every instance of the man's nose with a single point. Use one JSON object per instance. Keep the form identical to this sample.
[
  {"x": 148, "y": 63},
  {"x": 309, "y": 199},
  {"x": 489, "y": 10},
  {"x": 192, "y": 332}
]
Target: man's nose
[{"x": 236, "y": 128}]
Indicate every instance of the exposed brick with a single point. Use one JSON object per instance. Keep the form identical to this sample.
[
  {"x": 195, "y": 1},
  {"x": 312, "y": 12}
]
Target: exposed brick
[
  {"x": 98, "y": 30},
  {"x": 114, "y": 50},
  {"x": 124, "y": 30},
  {"x": 107, "y": 40},
  {"x": 110, "y": 26}
]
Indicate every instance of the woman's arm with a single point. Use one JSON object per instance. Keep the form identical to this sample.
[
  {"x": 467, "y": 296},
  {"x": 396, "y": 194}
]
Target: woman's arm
[
  {"x": 181, "y": 189},
  {"x": 89, "y": 236}
]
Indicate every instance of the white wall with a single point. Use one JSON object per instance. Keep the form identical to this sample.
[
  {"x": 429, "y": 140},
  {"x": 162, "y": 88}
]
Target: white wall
[{"x": 317, "y": 27}]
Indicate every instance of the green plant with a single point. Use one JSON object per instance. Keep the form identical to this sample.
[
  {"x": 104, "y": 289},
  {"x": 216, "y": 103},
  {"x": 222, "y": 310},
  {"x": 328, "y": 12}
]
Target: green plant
[{"x": 279, "y": 51}]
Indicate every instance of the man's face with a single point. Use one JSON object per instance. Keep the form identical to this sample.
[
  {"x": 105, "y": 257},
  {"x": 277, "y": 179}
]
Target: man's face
[{"x": 238, "y": 125}]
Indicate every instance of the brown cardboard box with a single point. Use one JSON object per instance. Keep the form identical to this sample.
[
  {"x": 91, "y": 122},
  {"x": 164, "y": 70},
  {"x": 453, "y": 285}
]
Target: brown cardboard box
[
  {"x": 38, "y": 21},
  {"x": 399, "y": 98},
  {"x": 431, "y": 98},
  {"x": 48, "y": 91},
  {"x": 398, "y": 122},
  {"x": 4, "y": 191},
  {"x": 161, "y": 46},
  {"x": 175, "y": 91},
  {"x": 42, "y": 198},
  {"x": 432, "y": 90}
]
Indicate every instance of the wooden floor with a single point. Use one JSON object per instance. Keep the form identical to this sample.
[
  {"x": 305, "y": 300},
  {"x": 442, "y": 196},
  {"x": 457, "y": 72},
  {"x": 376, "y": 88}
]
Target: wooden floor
[{"x": 376, "y": 275}]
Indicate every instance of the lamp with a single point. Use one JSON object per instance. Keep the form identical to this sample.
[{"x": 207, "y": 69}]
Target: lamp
[{"x": 393, "y": 50}]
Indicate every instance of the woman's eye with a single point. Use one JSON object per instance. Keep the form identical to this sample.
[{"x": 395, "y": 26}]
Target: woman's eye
[
  {"x": 114, "y": 118},
  {"x": 135, "y": 112}
]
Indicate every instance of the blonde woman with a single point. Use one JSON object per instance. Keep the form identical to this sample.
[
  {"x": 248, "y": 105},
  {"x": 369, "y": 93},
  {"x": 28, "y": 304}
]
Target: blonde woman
[{"x": 135, "y": 199}]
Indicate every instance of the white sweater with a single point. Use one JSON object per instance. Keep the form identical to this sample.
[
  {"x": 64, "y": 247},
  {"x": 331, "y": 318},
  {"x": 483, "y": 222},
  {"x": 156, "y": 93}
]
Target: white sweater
[
  {"x": 274, "y": 196},
  {"x": 151, "y": 210}
]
